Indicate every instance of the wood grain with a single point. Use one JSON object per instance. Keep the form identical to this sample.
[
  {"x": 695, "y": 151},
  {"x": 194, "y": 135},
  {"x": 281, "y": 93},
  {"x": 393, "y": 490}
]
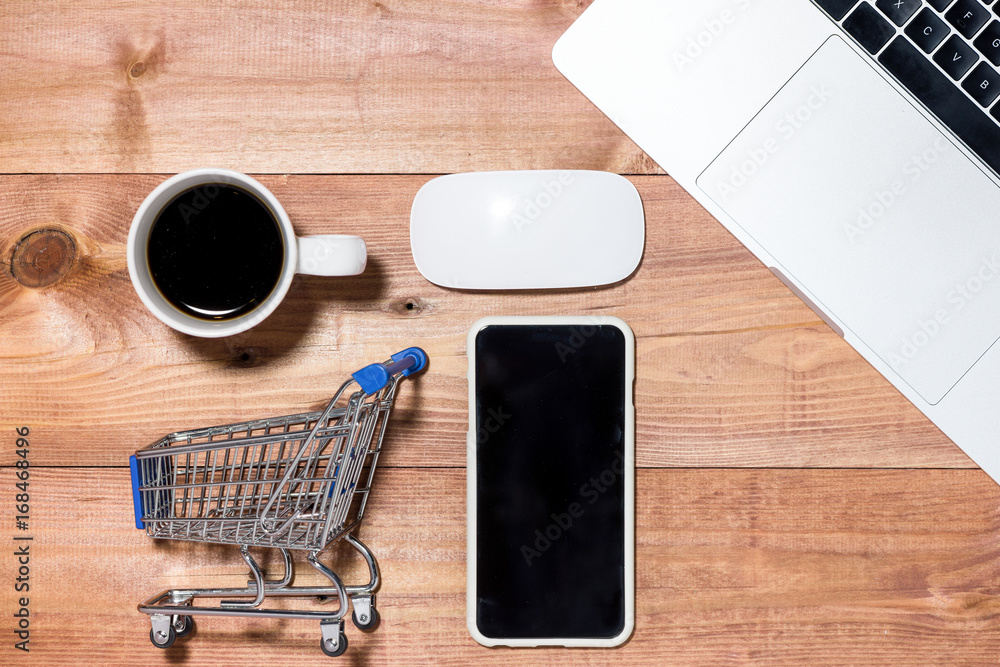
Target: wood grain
[
  {"x": 733, "y": 370},
  {"x": 781, "y": 515},
  {"x": 374, "y": 86},
  {"x": 757, "y": 567}
]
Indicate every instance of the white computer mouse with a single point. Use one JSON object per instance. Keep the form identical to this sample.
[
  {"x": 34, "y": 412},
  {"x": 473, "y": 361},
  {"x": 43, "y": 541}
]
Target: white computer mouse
[{"x": 506, "y": 230}]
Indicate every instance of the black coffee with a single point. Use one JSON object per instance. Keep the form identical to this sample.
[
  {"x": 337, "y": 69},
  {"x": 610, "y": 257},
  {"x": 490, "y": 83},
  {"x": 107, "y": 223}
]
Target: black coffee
[{"x": 215, "y": 251}]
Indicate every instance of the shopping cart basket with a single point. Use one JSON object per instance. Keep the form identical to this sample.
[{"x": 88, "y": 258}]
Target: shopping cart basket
[{"x": 299, "y": 482}]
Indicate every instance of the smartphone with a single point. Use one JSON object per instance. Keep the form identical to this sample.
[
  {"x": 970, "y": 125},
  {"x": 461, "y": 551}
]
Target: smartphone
[{"x": 551, "y": 483}]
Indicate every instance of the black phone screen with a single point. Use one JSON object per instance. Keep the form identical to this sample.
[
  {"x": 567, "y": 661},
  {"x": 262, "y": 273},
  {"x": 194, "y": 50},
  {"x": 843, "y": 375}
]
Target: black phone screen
[{"x": 550, "y": 481}]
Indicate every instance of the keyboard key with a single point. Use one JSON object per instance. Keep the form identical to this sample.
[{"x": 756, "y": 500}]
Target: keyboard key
[
  {"x": 988, "y": 42},
  {"x": 898, "y": 11},
  {"x": 837, "y": 9},
  {"x": 983, "y": 84},
  {"x": 939, "y": 5},
  {"x": 960, "y": 114},
  {"x": 995, "y": 111},
  {"x": 868, "y": 27},
  {"x": 927, "y": 30},
  {"x": 956, "y": 57},
  {"x": 968, "y": 16}
]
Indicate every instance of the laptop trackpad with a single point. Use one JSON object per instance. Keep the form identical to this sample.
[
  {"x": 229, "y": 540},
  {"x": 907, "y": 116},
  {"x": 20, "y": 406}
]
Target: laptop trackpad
[{"x": 894, "y": 231}]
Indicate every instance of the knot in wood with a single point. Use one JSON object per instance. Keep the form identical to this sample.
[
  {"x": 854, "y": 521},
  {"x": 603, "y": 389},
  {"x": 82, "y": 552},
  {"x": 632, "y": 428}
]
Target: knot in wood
[
  {"x": 42, "y": 257},
  {"x": 247, "y": 357},
  {"x": 411, "y": 306}
]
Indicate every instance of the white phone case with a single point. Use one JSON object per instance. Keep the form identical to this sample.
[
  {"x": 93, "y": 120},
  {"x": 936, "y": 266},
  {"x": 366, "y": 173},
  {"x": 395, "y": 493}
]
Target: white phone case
[{"x": 628, "y": 476}]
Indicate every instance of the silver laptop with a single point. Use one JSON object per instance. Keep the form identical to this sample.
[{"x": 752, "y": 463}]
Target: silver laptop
[{"x": 853, "y": 147}]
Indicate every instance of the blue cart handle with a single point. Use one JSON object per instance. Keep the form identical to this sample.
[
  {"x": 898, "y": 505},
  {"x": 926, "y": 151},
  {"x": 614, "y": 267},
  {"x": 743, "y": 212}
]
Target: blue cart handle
[
  {"x": 374, "y": 377},
  {"x": 133, "y": 465}
]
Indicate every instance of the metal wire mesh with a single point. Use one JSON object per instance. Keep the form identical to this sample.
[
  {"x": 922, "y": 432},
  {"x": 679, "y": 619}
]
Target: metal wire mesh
[{"x": 288, "y": 482}]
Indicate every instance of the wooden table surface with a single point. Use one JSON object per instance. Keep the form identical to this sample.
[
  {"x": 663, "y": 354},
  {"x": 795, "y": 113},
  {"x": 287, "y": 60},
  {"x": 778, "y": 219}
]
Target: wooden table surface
[{"x": 792, "y": 508}]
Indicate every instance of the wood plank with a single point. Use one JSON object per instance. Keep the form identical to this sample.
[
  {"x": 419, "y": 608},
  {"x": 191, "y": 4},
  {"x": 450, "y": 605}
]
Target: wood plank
[
  {"x": 767, "y": 567},
  {"x": 304, "y": 87},
  {"x": 733, "y": 370},
  {"x": 737, "y": 564}
]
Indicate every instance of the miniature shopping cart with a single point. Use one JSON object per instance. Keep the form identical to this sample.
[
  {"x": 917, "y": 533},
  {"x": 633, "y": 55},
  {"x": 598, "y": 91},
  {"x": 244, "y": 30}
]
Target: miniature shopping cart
[{"x": 290, "y": 483}]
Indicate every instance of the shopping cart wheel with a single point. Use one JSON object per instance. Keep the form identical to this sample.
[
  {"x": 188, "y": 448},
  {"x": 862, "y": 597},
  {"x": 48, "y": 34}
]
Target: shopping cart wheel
[
  {"x": 341, "y": 646},
  {"x": 368, "y": 620},
  {"x": 183, "y": 626},
  {"x": 167, "y": 642}
]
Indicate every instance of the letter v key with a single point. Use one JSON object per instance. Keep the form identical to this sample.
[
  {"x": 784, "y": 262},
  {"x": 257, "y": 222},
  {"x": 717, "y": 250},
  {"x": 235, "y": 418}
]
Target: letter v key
[{"x": 962, "y": 57}]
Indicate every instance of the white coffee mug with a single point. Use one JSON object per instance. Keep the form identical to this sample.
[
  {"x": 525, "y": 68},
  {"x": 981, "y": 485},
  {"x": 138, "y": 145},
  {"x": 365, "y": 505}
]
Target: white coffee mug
[{"x": 324, "y": 255}]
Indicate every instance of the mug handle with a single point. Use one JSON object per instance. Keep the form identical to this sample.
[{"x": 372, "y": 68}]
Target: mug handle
[{"x": 331, "y": 255}]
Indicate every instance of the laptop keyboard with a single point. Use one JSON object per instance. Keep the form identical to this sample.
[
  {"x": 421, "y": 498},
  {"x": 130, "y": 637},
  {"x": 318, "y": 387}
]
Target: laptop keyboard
[{"x": 945, "y": 52}]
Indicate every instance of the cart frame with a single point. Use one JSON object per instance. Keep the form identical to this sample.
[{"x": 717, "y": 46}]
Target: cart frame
[{"x": 289, "y": 483}]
